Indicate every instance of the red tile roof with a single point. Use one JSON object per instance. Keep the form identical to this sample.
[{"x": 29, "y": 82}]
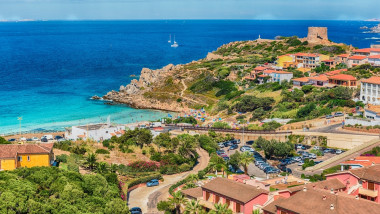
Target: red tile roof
[
  {"x": 370, "y": 173},
  {"x": 354, "y": 162},
  {"x": 367, "y": 50},
  {"x": 306, "y": 54},
  {"x": 372, "y": 80},
  {"x": 260, "y": 68},
  {"x": 281, "y": 72},
  {"x": 342, "y": 77},
  {"x": 344, "y": 55},
  {"x": 374, "y": 57},
  {"x": 234, "y": 190},
  {"x": 328, "y": 60},
  {"x": 357, "y": 57},
  {"x": 302, "y": 79},
  {"x": 262, "y": 75},
  {"x": 322, "y": 78},
  {"x": 11, "y": 150},
  {"x": 269, "y": 71},
  {"x": 330, "y": 73}
]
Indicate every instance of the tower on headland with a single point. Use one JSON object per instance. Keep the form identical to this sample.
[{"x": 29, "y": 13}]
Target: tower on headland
[{"x": 317, "y": 35}]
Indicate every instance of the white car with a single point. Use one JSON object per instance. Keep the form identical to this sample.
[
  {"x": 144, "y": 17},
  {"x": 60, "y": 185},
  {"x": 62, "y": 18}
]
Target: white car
[
  {"x": 300, "y": 163},
  {"x": 35, "y": 139},
  {"x": 316, "y": 147},
  {"x": 338, "y": 151},
  {"x": 299, "y": 147},
  {"x": 23, "y": 139}
]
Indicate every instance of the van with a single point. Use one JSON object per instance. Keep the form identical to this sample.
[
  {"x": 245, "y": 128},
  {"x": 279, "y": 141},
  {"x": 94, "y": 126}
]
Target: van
[{"x": 156, "y": 124}]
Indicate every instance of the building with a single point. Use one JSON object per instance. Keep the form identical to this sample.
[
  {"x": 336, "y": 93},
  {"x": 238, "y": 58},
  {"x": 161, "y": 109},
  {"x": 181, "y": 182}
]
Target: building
[
  {"x": 335, "y": 72},
  {"x": 329, "y": 62},
  {"x": 374, "y": 60},
  {"x": 301, "y": 81},
  {"x": 372, "y": 112},
  {"x": 360, "y": 161},
  {"x": 342, "y": 80},
  {"x": 286, "y": 61},
  {"x": 367, "y": 51},
  {"x": 317, "y": 35},
  {"x": 370, "y": 91},
  {"x": 320, "y": 80},
  {"x": 356, "y": 60},
  {"x": 308, "y": 60},
  {"x": 319, "y": 201},
  {"x": 363, "y": 182},
  {"x": 342, "y": 58},
  {"x": 97, "y": 132},
  {"x": 14, "y": 156},
  {"x": 276, "y": 76},
  {"x": 240, "y": 198}
]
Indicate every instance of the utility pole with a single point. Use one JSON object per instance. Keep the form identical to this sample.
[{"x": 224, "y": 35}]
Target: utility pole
[{"x": 19, "y": 119}]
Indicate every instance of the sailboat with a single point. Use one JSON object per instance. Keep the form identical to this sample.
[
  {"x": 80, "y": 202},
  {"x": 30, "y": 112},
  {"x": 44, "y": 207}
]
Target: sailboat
[
  {"x": 170, "y": 38},
  {"x": 175, "y": 44}
]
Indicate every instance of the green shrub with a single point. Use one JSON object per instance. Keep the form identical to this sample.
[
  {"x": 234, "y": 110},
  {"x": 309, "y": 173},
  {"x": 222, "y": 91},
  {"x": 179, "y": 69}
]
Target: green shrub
[
  {"x": 144, "y": 180},
  {"x": 62, "y": 158},
  {"x": 102, "y": 151},
  {"x": 3, "y": 141}
]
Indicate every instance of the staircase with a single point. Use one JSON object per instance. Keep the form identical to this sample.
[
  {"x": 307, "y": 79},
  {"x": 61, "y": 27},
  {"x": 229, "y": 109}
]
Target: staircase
[{"x": 353, "y": 188}]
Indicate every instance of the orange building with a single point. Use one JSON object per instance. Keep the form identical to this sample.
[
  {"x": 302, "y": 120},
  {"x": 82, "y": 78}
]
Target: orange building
[{"x": 342, "y": 80}]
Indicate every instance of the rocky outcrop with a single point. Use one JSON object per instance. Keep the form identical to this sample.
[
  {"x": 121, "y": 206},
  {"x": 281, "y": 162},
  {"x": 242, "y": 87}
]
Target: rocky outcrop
[{"x": 375, "y": 29}]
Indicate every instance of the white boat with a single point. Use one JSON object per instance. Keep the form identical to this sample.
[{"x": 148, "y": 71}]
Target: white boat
[
  {"x": 170, "y": 38},
  {"x": 175, "y": 44}
]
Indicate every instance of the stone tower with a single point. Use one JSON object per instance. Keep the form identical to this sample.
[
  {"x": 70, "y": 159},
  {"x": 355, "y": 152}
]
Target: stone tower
[{"x": 317, "y": 35}]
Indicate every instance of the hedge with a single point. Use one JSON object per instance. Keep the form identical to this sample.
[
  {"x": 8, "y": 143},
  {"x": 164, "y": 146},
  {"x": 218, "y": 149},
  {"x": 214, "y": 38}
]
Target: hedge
[{"x": 144, "y": 180}]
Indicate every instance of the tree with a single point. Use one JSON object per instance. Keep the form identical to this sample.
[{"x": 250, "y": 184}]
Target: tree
[
  {"x": 235, "y": 159},
  {"x": 3, "y": 141},
  {"x": 102, "y": 168},
  {"x": 163, "y": 140},
  {"x": 177, "y": 200},
  {"x": 217, "y": 163},
  {"x": 143, "y": 137},
  {"x": 91, "y": 160},
  {"x": 306, "y": 110},
  {"x": 192, "y": 207},
  {"x": 221, "y": 209},
  {"x": 245, "y": 159}
]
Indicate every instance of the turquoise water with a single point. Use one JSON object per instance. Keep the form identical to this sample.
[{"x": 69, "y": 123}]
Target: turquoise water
[{"x": 49, "y": 70}]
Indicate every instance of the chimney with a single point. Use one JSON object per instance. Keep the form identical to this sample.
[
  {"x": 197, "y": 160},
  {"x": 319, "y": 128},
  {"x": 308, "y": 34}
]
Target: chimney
[
  {"x": 313, "y": 186},
  {"x": 332, "y": 191},
  {"x": 357, "y": 197},
  {"x": 324, "y": 197},
  {"x": 304, "y": 189},
  {"x": 332, "y": 207}
]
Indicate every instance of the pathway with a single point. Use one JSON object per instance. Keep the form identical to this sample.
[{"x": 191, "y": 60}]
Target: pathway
[{"x": 147, "y": 197}]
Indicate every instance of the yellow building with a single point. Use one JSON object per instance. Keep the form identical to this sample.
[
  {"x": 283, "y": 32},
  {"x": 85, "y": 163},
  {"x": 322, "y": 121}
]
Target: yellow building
[
  {"x": 13, "y": 156},
  {"x": 285, "y": 61}
]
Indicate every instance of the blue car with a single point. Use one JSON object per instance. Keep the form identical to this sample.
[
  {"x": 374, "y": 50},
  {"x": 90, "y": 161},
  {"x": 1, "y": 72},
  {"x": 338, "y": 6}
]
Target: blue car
[
  {"x": 153, "y": 182},
  {"x": 233, "y": 147},
  {"x": 136, "y": 210}
]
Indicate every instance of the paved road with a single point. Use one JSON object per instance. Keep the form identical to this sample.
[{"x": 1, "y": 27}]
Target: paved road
[
  {"x": 147, "y": 197},
  {"x": 336, "y": 128}
]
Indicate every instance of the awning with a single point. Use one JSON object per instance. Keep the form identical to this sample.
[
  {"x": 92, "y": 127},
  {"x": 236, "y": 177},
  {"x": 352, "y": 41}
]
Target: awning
[{"x": 367, "y": 192}]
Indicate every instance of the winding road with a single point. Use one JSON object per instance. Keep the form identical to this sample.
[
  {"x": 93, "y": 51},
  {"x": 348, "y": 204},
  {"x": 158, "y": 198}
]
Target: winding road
[{"x": 147, "y": 197}]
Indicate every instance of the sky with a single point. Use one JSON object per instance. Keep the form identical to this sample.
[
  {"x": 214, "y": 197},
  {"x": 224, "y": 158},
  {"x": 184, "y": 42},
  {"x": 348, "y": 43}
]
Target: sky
[{"x": 189, "y": 9}]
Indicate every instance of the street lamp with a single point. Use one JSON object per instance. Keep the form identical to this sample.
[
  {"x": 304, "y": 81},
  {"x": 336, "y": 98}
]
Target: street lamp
[{"x": 19, "y": 119}]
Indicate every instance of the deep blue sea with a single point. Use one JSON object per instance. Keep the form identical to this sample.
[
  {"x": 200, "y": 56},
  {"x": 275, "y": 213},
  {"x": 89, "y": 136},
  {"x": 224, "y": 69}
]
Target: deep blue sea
[{"x": 49, "y": 70}]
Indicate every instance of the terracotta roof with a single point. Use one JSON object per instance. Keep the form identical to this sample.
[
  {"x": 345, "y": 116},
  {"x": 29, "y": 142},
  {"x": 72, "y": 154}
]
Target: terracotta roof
[
  {"x": 234, "y": 190},
  {"x": 306, "y": 54},
  {"x": 281, "y": 72},
  {"x": 328, "y": 60},
  {"x": 11, "y": 150},
  {"x": 357, "y": 57},
  {"x": 342, "y": 77},
  {"x": 374, "y": 57},
  {"x": 271, "y": 208},
  {"x": 261, "y": 68},
  {"x": 344, "y": 55},
  {"x": 367, "y": 50},
  {"x": 269, "y": 71},
  {"x": 371, "y": 173},
  {"x": 373, "y": 108},
  {"x": 320, "y": 201},
  {"x": 193, "y": 192},
  {"x": 372, "y": 80},
  {"x": 302, "y": 79},
  {"x": 374, "y": 159},
  {"x": 354, "y": 162},
  {"x": 330, "y": 73},
  {"x": 329, "y": 184},
  {"x": 262, "y": 75},
  {"x": 322, "y": 78}
]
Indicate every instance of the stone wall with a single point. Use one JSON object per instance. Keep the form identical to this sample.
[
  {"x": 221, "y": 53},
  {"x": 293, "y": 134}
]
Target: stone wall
[{"x": 317, "y": 34}]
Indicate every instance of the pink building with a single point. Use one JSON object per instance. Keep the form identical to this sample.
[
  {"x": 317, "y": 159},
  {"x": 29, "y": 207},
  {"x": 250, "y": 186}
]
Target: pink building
[
  {"x": 240, "y": 198},
  {"x": 363, "y": 182}
]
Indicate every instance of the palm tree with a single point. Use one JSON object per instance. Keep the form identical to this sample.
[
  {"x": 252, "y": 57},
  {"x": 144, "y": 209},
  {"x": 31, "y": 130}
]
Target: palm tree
[
  {"x": 178, "y": 199},
  {"x": 192, "y": 207},
  {"x": 102, "y": 167},
  {"x": 114, "y": 167},
  {"x": 221, "y": 209},
  {"x": 217, "y": 163},
  {"x": 245, "y": 159},
  {"x": 91, "y": 160}
]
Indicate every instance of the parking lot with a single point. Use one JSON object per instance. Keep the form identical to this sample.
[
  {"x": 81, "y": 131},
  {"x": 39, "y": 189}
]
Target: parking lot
[{"x": 292, "y": 165}]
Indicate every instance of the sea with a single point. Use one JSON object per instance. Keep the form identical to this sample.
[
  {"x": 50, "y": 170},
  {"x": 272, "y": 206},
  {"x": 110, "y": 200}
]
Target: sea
[{"x": 50, "y": 69}]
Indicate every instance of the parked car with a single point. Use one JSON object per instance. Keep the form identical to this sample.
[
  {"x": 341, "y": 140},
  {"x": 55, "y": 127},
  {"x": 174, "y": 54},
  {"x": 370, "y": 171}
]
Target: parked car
[
  {"x": 29, "y": 139},
  {"x": 284, "y": 169},
  {"x": 338, "y": 151},
  {"x": 316, "y": 147},
  {"x": 49, "y": 137},
  {"x": 35, "y": 139},
  {"x": 300, "y": 163},
  {"x": 228, "y": 143},
  {"x": 303, "y": 148},
  {"x": 297, "y": 159},
  {"x": 250, "y": 142},
  {"x": 135, "y": 210},
  {"x": 58, "y": 137},
  {"x": 300, "y": 152},
  {"x": 233, "y": 147},
  {"x": 221, "y": 145},
  {"x": 299, "y": 146},
  {"x": 44, "y": 139},
  {"x": 329, "y": 116},
  {"x": 338, "y": 114},
  {"x": 313, "y": 156},
  {"x": 226, "y": 158},
  {"x": 11, "y": 140},
  {"x": 327, "y": 151},
  {"x": 236, "y": 141},
  {"x": 236, "y": 170},
  {"x": 219, "y": 152},
  {"x": 153, "y": 182},
  {"x": 317, "y": 162},
  {"x": 23, "y": 139}
]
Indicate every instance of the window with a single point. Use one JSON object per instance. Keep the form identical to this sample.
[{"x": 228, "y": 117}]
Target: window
[
  {"x": 28, "y": 158},
  {"x": 238, "y": 208},
  {"x": 207, "y": 196},
  {"x": 217, "y": 199},
  {"x": 371, "y": 186},
  {"x": 19, "y": 158}
]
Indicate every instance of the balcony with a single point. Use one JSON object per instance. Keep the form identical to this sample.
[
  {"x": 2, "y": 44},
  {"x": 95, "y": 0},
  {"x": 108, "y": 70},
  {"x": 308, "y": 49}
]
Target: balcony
[{"x": 367, "y": 192}]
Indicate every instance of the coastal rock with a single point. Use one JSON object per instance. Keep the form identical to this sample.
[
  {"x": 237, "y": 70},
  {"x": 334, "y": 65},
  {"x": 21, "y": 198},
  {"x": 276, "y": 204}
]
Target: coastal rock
[
  {"x": 376, "y": 29},
  {"x": 95, "y": 97},
  {"x": 122, "y": 88}
]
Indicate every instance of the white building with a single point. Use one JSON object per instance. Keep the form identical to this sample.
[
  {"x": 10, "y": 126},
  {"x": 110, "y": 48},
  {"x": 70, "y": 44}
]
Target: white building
[
  {"x": 374, "y": 60},
  {"x": 97, "y": 132},
  {"x": 276, "y": 76},
  {"x": 370, "y": 91}
]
